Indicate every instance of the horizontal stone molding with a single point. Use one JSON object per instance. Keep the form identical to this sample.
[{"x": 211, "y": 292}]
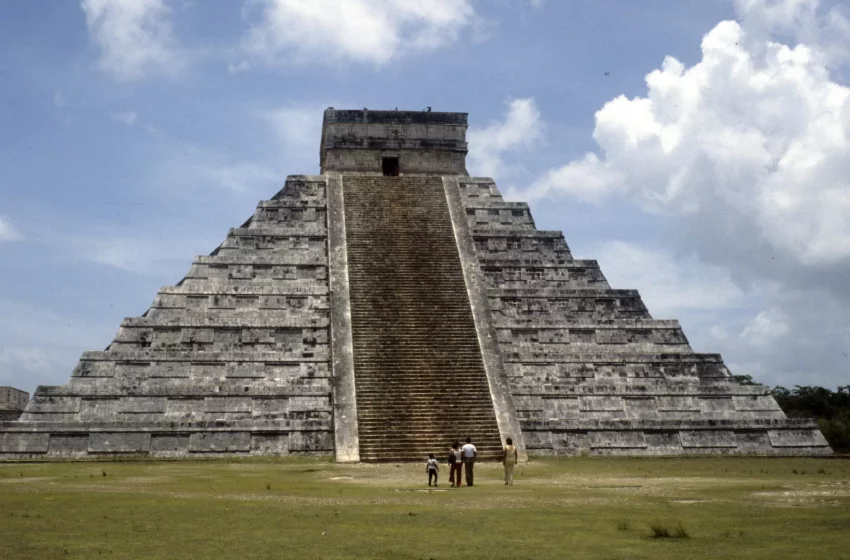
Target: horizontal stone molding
[
  {"x": 231, "y": 322},
  {"x": 277, "y": 259},
  {"x": 306, "y": 229},
  {"x": 170, "y": 355}
]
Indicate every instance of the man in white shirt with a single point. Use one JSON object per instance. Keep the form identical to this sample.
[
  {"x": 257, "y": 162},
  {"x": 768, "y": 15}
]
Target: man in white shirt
[{"x": 468, "y": 453}]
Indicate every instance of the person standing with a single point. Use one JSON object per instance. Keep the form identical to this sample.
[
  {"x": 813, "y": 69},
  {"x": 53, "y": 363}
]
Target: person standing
[
  {"x": 469, "y": 454},
  {"x": 455, "y": 465},
  {"x": 509, "y": 460},
  {"x": 432, "y": 469}
]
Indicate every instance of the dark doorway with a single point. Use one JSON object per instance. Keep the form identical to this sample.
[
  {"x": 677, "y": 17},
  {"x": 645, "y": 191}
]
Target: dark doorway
[{"x": 390, "y": 166}]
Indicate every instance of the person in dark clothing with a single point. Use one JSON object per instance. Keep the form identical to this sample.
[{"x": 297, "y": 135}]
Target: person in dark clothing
[{"x": 455, "y": 465}]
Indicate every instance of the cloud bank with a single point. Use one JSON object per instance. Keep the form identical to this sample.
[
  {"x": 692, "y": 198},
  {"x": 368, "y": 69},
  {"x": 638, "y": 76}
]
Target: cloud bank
[
  {"x": 371, "y": 31},
  {"x": 134, "y": 37},
  {"x": 747, "y": 154}
]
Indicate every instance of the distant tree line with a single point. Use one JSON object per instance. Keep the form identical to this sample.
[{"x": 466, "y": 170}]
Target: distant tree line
[{"x": 830, "y": 408}]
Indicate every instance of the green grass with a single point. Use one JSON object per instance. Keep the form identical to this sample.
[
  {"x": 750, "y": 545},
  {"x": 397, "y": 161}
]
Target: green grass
[{"x": 306, "y": 508}]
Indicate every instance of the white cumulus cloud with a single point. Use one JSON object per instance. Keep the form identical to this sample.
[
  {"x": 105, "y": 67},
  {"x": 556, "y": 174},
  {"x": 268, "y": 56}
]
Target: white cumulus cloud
[
  {"x": 38, "y": 346},
  {"x": 765, "y": 329},
  {"x": 134, "y": 36},
  {"x": 744, "y": 156},
  {"x": 126, "y": 117},
  {"x": 374, "y": 31},
  {"x": 297, "y": 128},
  {"x": 669, "y": 286},
  {"x": 8, "y": 231},
  {"x": 761, "y": 135},
  {"x": 521, "y": 129}
]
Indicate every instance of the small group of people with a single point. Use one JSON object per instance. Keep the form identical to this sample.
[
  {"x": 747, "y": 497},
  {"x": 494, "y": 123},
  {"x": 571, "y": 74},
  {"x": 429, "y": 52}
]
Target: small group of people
[{"x": 464, "y": 458}]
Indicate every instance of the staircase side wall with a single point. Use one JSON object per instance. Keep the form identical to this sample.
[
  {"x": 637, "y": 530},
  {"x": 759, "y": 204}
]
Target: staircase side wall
[
  {"x": 346, "y": 441},
  {"x": 497, "y": 378}
]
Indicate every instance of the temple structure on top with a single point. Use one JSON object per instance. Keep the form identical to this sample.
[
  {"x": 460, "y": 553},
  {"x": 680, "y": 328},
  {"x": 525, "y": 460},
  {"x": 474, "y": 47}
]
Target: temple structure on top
[
  {"x": 385, "y": 308},
  {"x": 394, "y": 142}
]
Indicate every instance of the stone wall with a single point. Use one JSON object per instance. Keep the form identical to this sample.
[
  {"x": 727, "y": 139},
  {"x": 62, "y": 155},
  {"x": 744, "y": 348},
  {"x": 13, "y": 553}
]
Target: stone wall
[
  {"x": 426, "y": 143},
  {"x": 12, "y": 403},
  {"x": 411, "y": 162},
  {"x": 592, "y": 371}
]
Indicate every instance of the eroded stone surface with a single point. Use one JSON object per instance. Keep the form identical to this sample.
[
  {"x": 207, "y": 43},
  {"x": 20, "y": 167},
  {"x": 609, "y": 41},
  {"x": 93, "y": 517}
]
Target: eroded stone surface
[{"x": 12, "y": 403}]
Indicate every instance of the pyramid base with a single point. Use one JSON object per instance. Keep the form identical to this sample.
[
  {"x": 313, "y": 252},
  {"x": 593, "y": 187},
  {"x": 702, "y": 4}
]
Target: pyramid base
[{"x": 35, "y": 440}]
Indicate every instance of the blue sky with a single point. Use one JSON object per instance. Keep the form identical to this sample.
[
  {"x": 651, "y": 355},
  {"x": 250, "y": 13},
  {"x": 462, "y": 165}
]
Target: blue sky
[{"x": 700, "y": 149}]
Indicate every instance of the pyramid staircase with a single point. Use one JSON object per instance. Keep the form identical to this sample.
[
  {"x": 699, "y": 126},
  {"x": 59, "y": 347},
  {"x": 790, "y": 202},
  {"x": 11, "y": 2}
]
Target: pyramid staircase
[{"x": 420, "y": 380}]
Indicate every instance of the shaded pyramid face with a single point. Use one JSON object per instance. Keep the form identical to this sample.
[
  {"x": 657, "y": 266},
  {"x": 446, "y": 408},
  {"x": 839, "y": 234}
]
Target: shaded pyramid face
[
  {"x": 232, "y": 359},
  {"x": 382, "y": 318}
]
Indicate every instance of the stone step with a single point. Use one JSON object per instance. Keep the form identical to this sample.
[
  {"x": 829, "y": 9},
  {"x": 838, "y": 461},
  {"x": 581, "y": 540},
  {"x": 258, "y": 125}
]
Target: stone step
[
  {"x": 449, "y": 410},
  {"x": 436, "y": 440}
]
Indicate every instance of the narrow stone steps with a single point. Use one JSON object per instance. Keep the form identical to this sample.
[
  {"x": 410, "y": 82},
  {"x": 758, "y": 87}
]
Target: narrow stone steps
[{"x": 419, "y": 375}]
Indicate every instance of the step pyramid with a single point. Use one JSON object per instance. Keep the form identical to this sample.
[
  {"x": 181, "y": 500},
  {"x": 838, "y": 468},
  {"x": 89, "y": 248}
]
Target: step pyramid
[{"x": 380, "y": 318}]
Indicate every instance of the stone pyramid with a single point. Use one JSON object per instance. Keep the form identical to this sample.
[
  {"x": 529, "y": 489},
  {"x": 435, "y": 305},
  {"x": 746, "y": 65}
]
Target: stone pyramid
[{"x": 385, "y": 308}]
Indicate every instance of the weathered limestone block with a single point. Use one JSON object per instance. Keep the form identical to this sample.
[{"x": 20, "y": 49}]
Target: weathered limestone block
[
  {"x": 621, "y": 440},
  {"x": 755, "y": 402},
  {"x": 213, "y": 370},
  {"x": 270, "y": 408},
  {"x": 590, "y": 404},
  {"x": 219, "y": 442},
  {"x": 561, "y": 407},
  {"x": 119, "y": 442},
  {"x": 796, "y": 438},
  {"x": 570, "y": 443},
  {"x": 712, "y": 407},
  {"x": 94, "y": 369},
  {"x": 641, "y": 407},
  {"x": 99, "y": 409},
  {"x": 245, "y": 370},
  {"x": 309, "y": 403},
  {"x": 68, "y": 445},
  {"x": 668, "y": 403},
  {"x": 142, "y": 405},
  {"x": 310, "y": 442},
  {"x": 25, "y": 443},
  {"x": 173, "y": 444},
  {"x": 663, "y": 443},
  {"x": 753, "y": 442},
  {"x": 185, "y": 408},
  {"x": 53, "y": 405},
  {"x": 214, "y": 405},
  {"x": 130, "y": 369},
  {"x": 270, "y": 444},
  {"x": 170, "y": 370},
  {"x": 535, "y": 440},
  {"x": 708, "y": 439}
]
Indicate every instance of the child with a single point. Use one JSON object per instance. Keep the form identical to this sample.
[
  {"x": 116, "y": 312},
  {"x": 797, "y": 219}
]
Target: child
[{"x": 432, "y": 468}]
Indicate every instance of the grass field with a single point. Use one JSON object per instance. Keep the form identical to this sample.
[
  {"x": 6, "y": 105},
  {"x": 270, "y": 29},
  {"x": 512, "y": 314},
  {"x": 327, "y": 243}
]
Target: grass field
[{"x": 592, "y": 508}]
